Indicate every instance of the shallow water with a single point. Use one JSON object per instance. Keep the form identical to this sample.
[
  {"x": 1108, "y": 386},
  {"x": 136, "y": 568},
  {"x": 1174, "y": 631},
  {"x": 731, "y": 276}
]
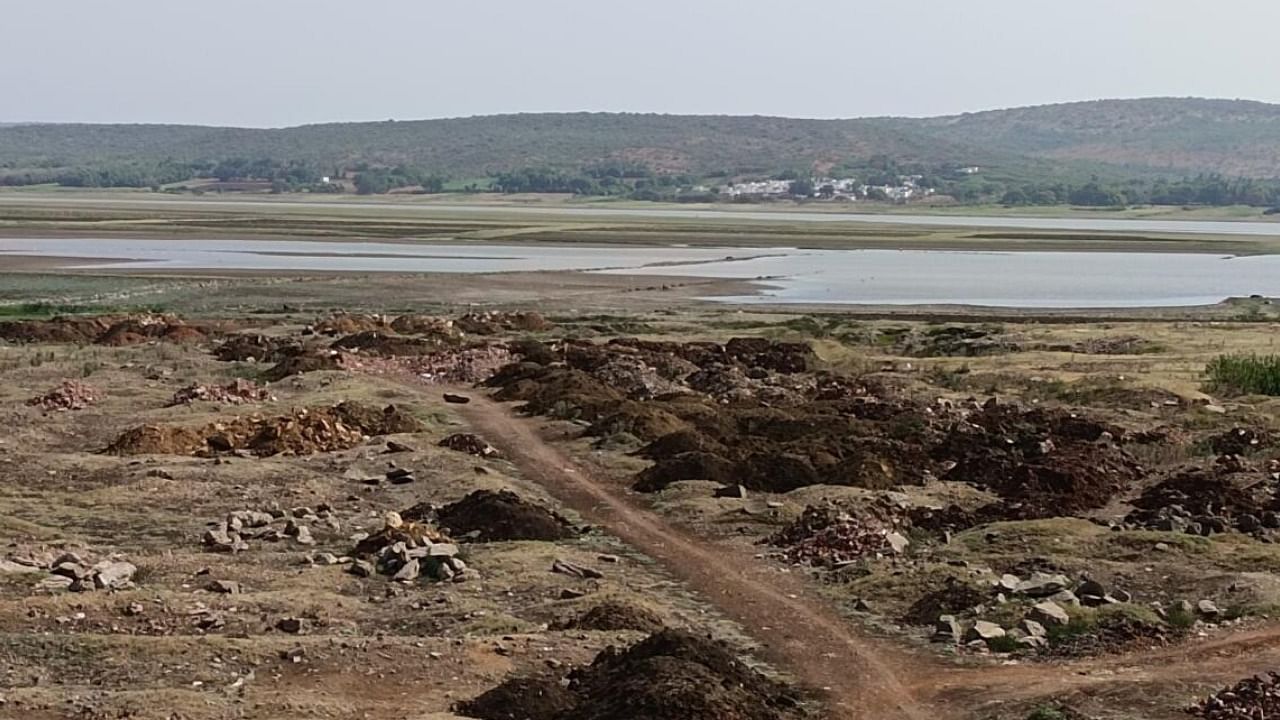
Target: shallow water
[{"x": 897, "y": 277}]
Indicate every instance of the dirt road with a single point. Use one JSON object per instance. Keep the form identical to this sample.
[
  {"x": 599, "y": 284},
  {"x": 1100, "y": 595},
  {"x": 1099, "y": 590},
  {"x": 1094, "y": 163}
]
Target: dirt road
[{"x": 859, "y": 674}]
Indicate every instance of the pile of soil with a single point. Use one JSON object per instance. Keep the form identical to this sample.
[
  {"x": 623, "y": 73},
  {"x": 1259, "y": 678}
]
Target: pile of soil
[
  {"x": 671, "y": 675},
  {"x": 493, "y": 323},
  {"x": 521, "y": 699},
  {"x": 441, "y": 329},
  {"x": 463, "y": 366},
  {"x": 827, "y": 536},
  {"x": 236, "y": 392},
  {"x": 1113, "y": 635},
  {"x": 399, "y": 529},
  {"x": 378, "y": 342},
  {"x": 260, "y": 348},
  {"x": 104, "y": 330},
  {"x": 1209, "y": 498},
  {"x": 69, "y": 395},
  {"x": 470, "y": 444},
  {"x": 306, "y": 431},
  {"x": 343, "y": 323},
  {"x": 488, "y": 516},
  {"x": 302, "y": 363},
  {"x": 1240, "y": 441},
  {"x": 612, "y": 616},
  {"x": 953, "y": 598},
  {"x": 1250, "y": 699}
]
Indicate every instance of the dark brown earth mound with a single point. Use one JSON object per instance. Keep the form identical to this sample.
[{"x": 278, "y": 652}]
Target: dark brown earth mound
[
  {"x": 470, "y": 444},
  {"x": 347, "y": 323},
  {"x": 1253, "y": 697},
  {"x": 614, "y": 616},
  {"x": 492, "y": 323},
  {"x": 57, "y": 330},
  {"x": 104, "y": 330},
  {"x": 1240, "y": 441},
  {"x": 671, "y": 675},
  {"x": 311, "y": 430},
  {"x": 302, "y": 363},
  {"x": 262, "y": 348},
  {"x": 952, "y": 598},
  {"x": 522, "y": 699},
  {"x": 378, "y": 342},
  {"x": 488, "y": 516},
  {"x": 1204, "y": 499},
  {"x": 436, "y": 327}
]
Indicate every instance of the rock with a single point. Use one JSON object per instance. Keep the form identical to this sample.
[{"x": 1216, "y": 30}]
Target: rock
[
  {"x": 898, "y": 543},
  {"x": 75, "y": 571},
  {"x": 731, "y": 491},
  {"x": 1208, "y": 609},
  {"x": 1032, "y": 642},
  {"x": 361, "y": 568},
  {"x": 572, "y": 594},
  {"x": 1248, "y": 523},
  {"x": 293, "y": 655},
  {"x": 408, "y": 572},
  {"x": 861, "y": 605},
  {"x": 1042, "y": 585},
  {"x": 1162, "y": 547},
  {"x": 249, "y": 519},
  {"x": 303, "y": 536},
  {"x": 324, "y": 558},
  {"x": 567, "y": 568},
  {"x": 442, "y": 550},
  {"x": 1033, "y": 628},
  {"x": 985, "y": 631},
  {"x": 400, "y": 476},
  {"x": 1271, "y": 520},
  {"x": 113, "y": 575},
  {"x": 133, "y": 609},
  {"x": 1049, "y": 614},
  {"x": 1009, "y": 582},
  {"x": 1066, "y": 597},
  {"x": 55, "y": 583},
  {"x": 291, "y": 625},
  {"x": 1121, "y": 596},
  {"x": 1215, "y": 409},
  {"x": 1090, "y": 589},
  {"x": 225, "y": 587},
  {"x": 456, "y": 399},
  {"x": 947, "y": 629},
  {"x": 398, "y": 447},
  {"x": 220, "y": 539}
]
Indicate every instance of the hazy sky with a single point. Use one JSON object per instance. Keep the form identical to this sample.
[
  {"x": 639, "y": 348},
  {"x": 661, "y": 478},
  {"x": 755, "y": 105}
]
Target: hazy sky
[{"x": 286, "y": 62}]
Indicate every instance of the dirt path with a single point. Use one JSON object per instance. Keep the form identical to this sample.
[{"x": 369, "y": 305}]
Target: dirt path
[
  {"x": 799, "y": 632},
  {"x": 864, "y": 677}
]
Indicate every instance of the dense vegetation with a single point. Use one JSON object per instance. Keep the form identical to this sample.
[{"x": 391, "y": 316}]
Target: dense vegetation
[
  {"x": 1245, "y": 374},
  {"x": 1104, "y": 154}
]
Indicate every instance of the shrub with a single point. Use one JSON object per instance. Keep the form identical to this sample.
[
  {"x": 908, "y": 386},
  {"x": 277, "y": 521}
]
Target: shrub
[{"x": 1245, "y": 374}]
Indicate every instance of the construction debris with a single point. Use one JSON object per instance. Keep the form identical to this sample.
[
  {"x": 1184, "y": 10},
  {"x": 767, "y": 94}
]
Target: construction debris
[
  {"x": 236, "y": 392},
  {"x": 1254, "y": 698},
  {"x": 69, "y": 395}
]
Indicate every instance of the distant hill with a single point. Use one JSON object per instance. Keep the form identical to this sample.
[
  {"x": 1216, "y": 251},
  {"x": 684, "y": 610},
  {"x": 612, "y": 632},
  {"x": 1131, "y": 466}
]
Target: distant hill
[
  {"x": 1177, "y": 135},
  {"x": 1166, "y": 136}
]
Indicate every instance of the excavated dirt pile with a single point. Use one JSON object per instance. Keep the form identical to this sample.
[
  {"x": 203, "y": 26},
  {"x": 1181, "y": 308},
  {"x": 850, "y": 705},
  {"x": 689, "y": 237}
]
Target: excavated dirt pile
[
  {"x": 614, "y": 615},
  {"x": 304, "y": 362},
  {"x": 488, "y": 516},
  {"x": 343, "y": 323},
  {"x": 1254, "y": 698},
  {"x": 306, "y": 431},
  {"x": 671, "y": 675},
  {"x": 385, "y": 344},
  {"x": 105, "y": 330},
  {"x": 260, "y": 348},
  {"x": 1240, "y": 441},
  {"x": 457, "y": 366},
  {"x": 236, "y": 392},
  {"x": 1210, "y": 498},
  {"x": 470, "y": 444},
  {"x": 69, "y": 395},
  {"x": 493, "y": 323},
  {"x": 830, "y": 535}
]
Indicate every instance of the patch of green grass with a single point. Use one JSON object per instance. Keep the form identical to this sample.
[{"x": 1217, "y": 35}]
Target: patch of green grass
[{"x": 1245, "y": 374}]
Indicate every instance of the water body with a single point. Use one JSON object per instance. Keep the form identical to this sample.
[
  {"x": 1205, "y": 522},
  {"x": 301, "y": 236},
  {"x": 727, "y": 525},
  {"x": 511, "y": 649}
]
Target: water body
[{"x": 786, "y": 275}]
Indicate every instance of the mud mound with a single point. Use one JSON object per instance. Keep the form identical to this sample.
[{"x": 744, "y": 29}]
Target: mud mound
[
  {"x": 157, "y": 440},
  {"x": 436, "y": 327},
  {"x": 348, "y": 323},
  {"x": 377, "y": 342},
  {"x": 302, "y": 363},
  {"x": 493, "y": 323},
  {"x": 828, "y": 536},
  {"x": 642, "y": 420},
  {"x": 104, "y": 330},
  {"x": 260, "y": 348},
  {"x": 953, "y": 598},
  {"x": 143, "y": 328},
  {"x": 1240, "y": 441},
  {"x": 470, "y": 444},
  {"x": 675, "y": 675},
  {"x": 237, "y": 392},
  {"x": 466, "y": 366},
  {"x": 614, "y": 616},
  {"x": 521, "y": 699},
  {"x": 558, "y": 392},
  {"x": 1207, "y": 499},
  {"x": 1113, "y": 635},
  {"x": 56, "y": 330},
  {"x": 69, "y": 395},
  {"x": 685, "y": 466},
  {"x": 488, "y": 516},
  {"x": 681, "y": 441},
  {"x": 306, "y": 431}
]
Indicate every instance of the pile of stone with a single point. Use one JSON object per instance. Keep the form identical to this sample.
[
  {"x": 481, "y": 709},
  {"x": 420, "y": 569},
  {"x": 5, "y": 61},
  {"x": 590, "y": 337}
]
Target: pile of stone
[
  {"x": 828, "y": 536},
  {"x": 234, "y": 533},
  {"x": 1252, "y": 699},
  {"x": 464, "y": 366},
  {"x": 236, "y": 392},
  {"x": 69, "y": 395},
  {"x": 470, "y": 444},
  {"x": 406, "y": 551},
  {"x": 72, "y": 571}
]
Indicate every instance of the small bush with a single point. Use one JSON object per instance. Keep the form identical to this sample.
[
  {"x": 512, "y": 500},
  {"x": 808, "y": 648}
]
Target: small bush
[{"x": 1245, "y": 374}]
